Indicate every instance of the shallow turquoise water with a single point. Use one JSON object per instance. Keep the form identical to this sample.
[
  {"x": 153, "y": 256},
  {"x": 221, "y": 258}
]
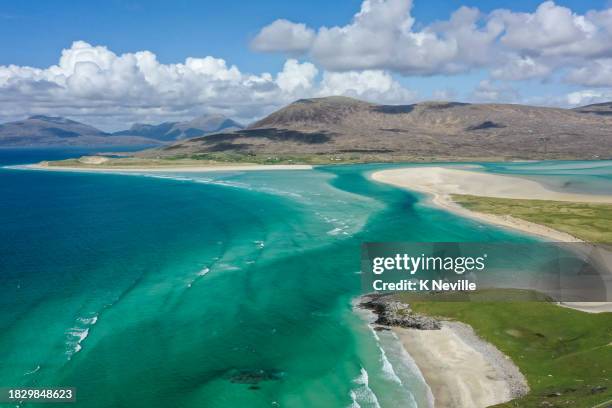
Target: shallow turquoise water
[
  {"x": 591, "y": 177},
  {"x": 178, "y": 289}
]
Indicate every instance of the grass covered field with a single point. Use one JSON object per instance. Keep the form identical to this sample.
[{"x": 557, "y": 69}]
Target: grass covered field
[
  {"x": 566, "y": 355},
  {"x": 589, "y": 222}
]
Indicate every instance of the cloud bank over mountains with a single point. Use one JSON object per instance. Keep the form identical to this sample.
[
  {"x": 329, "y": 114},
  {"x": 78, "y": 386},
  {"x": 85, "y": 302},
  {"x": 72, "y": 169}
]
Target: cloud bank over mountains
[
  {"x": 92, "y": 81},
  {"x": 365, "y": 58}
]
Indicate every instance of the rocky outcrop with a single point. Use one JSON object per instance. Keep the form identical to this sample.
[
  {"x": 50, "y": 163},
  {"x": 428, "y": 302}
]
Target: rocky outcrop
[{"x": 390, "y": 312}]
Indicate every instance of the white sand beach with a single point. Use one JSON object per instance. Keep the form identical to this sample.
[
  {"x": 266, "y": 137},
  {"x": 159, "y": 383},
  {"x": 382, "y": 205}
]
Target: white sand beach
[
  {"x": 442, "y": 182},
  {"x": 181, "y": 169},
  {"x": 462, "y": 370}
]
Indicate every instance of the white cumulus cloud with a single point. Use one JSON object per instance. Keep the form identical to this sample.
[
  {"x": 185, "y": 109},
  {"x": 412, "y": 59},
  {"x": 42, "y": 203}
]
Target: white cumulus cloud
[
  {"x": 383, "y": 35},
  {"x": 588, "y": 96},
  {"x": 372, "y": 85},
  {"x": 94, "y": 84},
  {"x": 283, "y": 36},
  {"x": 595, "y": 73},
  {"x": 491, "y": 91},
  {"x": 296, "y": 76}
]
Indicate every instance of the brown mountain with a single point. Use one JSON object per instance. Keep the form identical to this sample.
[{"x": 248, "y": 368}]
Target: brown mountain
[{"x": 350, "y": 128}]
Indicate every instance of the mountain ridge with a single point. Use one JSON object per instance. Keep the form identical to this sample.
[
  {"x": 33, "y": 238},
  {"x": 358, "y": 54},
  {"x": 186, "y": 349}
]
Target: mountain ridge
[
  {"x": 170, "y": 131},
  {"x": 44, "y": 130},
  {"x": 351, "y": 128}
]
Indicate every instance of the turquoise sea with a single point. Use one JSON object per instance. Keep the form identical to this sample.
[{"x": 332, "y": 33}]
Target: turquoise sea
[{"x": 229, "y": 289}]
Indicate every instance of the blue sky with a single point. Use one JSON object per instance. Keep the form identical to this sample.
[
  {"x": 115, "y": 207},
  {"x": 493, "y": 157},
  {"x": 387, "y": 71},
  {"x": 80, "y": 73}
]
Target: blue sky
[{"x": 34, "y": 34}]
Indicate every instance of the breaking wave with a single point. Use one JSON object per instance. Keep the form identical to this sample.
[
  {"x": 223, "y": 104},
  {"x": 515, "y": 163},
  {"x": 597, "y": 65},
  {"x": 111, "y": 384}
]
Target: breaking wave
[
  {"x": 362, "y": 395},
  {"x": 77, "y": 334}
]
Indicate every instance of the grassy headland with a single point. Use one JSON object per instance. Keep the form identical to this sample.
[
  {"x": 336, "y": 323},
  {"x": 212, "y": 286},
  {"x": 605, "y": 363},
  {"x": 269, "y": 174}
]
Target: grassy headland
[
  {"x": 566, "y": 355},
  {"x": 230, "y": 158},
  {"x": 588, "y": 221}
]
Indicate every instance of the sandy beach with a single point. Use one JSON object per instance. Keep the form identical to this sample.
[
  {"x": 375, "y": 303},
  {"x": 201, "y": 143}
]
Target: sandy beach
[
  {"x": 461, "y": 369},
  {"x": 181, "y": 169},
  {"x": 445, "y": 181},
  {"x": 442, "y": 182}
]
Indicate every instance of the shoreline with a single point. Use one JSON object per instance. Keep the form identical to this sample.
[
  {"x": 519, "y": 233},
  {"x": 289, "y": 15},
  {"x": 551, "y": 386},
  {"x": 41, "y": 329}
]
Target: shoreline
[
  {"x": 460, "y": 368},
  {"x": 440, "y": 183},
  {"x": 507, "y": 221},
  {"x": 181, "y": 169}
]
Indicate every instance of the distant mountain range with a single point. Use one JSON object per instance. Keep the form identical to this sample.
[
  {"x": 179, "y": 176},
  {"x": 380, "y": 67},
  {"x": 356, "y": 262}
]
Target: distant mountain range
[
  {"x": 43, "y": 130},
  {"x": 170, "y": 131},
  {"x": 429, "y": 130}
]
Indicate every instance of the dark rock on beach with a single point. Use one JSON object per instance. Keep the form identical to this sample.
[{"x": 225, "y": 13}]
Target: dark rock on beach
[{"x": 393, "y": 313}]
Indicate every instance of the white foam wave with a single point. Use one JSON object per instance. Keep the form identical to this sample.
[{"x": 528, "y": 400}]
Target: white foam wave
[
  {"x": 362, "y": 394},
  {"x": 354, "y": 402},
  {"x": 340, "y": 227},
  {"x": 33, "y": 371},
  {"x": 228, "y": 267},
  {"x": 403, "y": 369},
  {"x": 335, "y": 231},
  {"x": 202, "y": 272},
  {"x": 275, "y": 191},
  {"x": 203, "y": 180},
  {"x": 88, "y": 320},
  {"x": 363, "y": 377},
  {"x": 228, "y": 184},
  {"x": 165, "y": 177},
  {"x": 387, "y": 367},
  {"x": 220, "y": 180},
  {"x": 76, "y": 335}
]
